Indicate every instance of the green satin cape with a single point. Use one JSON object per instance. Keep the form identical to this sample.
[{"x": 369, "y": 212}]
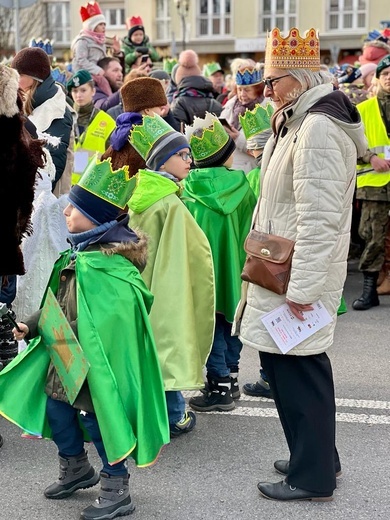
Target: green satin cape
[
  {"x": 222, "y": 203},
  {"x": 179, "y": 273},
  {"x": 124, "y": 378}
]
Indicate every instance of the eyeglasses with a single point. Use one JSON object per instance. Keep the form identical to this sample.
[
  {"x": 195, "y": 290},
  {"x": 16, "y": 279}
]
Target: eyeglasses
[
  {"x": 269, "y": 82},
  {"x": 184, "y": 155}
]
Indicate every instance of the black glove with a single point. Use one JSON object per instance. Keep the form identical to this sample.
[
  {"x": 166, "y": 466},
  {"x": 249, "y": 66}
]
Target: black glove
[{"x": 142, "y": 50}]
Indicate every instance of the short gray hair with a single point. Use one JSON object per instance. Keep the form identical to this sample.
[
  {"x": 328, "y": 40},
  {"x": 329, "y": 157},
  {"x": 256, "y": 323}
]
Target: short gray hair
[{"x": 308, "y": 79}]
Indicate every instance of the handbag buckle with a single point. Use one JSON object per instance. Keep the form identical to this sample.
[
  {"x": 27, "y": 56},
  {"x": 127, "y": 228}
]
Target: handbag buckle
[{"x": 265, "y": 252}]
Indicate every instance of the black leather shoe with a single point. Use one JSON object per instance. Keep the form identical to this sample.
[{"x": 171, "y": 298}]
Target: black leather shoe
[
  {"x": 258, "y": 389},
  {"x": 284, "y": 492},
  {"x": 282, "y": 467}
]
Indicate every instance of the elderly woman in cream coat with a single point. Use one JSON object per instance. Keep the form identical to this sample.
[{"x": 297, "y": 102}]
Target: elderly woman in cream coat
[{"x": 308, "y": 180}]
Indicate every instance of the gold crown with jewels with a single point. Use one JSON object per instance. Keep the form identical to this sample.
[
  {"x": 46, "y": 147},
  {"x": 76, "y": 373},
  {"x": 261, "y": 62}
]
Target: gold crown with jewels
[{"x": 294, "y": 51}]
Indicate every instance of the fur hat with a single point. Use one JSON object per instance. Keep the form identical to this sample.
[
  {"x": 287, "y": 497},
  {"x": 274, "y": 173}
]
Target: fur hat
[
  {"x": 187, "y": 66},
  {"x": 134, "y": 23},
  {"x": 383, "y": 64},
  {"x": 9, "y": 84},
  {"x": 34, "y": 62},
  {"x": 92, "y": 16},
  {"x": 140, "y": 93}
]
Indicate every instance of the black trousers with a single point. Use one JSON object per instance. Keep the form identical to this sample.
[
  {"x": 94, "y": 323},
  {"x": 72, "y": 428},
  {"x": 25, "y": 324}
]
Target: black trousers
[{"x": 303, "y": 391}]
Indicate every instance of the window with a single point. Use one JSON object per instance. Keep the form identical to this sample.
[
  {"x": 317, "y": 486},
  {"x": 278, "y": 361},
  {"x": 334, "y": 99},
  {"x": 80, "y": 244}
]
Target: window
[
  {"x": 278, "y": 13},
  {"x": 163, "y": 20},
  {"x": 115, "y": 18},
  {"x": 58, "y": 22},
  {"x": 214, "y": 17},
  {"x": 347, "y": 14}
]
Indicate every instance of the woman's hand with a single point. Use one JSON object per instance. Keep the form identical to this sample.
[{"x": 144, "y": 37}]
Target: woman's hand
[
  {"x": 22, "y": 333},
  {"x": 233, "y": 132},
  {"x": 298, "y": 308}
]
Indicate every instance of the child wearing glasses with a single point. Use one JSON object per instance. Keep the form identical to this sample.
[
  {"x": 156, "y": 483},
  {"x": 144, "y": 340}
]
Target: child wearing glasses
[
  {"x": 179, "y": 270},
  {"x": 222, "y": 203}
]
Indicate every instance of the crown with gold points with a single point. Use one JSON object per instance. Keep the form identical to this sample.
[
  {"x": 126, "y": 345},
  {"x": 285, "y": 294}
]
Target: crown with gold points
[
  {"x": 294, "y": 51},
  {"x": 255, "y": 121},
  {"x": 206, "y": 136},
  {"x": 248, "y": 76},
  {"x": 143, "y": 137},
  {"x": 114, "y": 187}
]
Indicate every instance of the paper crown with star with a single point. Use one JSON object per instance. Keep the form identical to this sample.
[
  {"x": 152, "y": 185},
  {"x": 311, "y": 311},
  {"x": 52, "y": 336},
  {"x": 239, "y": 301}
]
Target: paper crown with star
[
  {"x": 295, "y": 51},
  {"x": 112, "y": 186},
  {"x": 210, "y": 144},
  {"x": 156, "y": 141},
  {"x": 211, "y": 68},
  {"x": 255, "y": 121}
]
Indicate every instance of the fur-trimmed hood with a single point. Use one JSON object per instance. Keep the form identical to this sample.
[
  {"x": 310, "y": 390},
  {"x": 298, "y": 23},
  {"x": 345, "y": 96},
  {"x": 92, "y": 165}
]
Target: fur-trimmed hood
[{"x": 136, "y": 252}]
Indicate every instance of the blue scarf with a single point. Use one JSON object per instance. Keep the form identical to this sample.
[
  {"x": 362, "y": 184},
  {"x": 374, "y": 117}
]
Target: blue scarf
[{"x": 80, "y": 241}]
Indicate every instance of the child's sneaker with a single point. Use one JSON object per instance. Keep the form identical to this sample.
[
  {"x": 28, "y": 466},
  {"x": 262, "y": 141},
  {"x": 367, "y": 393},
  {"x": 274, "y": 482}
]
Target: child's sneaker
[{"x": 186, "y": 424}]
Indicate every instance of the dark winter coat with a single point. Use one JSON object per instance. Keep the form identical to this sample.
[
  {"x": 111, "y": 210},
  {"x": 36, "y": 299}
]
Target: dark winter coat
[{"x": 194, "y": 97}]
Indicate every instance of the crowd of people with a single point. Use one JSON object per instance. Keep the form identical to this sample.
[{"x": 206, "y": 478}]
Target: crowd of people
[{"x": 137, "y": 187}]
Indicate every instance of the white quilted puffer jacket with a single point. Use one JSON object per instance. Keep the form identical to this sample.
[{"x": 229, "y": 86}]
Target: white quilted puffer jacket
[{"x": 308, "y": 180}]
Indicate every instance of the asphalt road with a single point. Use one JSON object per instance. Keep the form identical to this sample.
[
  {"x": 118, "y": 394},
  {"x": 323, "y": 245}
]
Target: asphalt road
[{"x": 212, "y": 472}]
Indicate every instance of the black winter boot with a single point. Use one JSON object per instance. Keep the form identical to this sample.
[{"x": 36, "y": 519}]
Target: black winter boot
[
  {"x": 75, "y": 473},
  {"x": 234, "y": 386},
  {"x": 114, "y": 499},
  {"x": 369, "y": 298},
  {"x": 219, "y": 396}
]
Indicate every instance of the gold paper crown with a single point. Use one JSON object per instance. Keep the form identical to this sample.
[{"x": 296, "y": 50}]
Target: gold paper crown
[
  {"x": 212, "y": 139},
  {"x": 293, "y": 52},
  {"x": 255, "y": 121}
]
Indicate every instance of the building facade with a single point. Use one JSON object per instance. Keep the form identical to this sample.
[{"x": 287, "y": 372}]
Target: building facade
[{"x": 218, "y": 30}]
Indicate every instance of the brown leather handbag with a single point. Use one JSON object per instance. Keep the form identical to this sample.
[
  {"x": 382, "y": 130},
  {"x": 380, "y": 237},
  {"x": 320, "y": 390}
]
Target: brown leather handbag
[{"x": 268, "y": 261}]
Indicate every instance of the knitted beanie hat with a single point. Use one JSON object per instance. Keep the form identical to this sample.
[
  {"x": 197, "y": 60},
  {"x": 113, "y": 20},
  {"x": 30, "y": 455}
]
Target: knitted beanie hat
[
  {"x": 383, "y": 64},
  {"x": 9, "y": 84},
  {"x": 187, "y": 66},
  {"x": 367, "y": 68},
  {"x": 159, "y": 74},
  {"x": 134, "y": 23},
  {"x": 374, "y": 51},
  {"x": 92, "y": 16},
  {"x": 34, "y": 62},
  {"x": 141, "y": 93}
]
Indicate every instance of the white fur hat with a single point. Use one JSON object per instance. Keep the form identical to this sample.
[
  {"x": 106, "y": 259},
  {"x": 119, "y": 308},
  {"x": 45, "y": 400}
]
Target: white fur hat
[{"x": 9, "y": 84}]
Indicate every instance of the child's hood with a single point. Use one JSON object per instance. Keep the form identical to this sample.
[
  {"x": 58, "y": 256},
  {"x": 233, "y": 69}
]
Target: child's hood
[
  {"x": 151, "y": 187},
  {"x": 220, "y": 189}
]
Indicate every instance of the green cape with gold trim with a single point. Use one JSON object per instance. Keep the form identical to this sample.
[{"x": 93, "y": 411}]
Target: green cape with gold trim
[{"x": 124, "y": 376}]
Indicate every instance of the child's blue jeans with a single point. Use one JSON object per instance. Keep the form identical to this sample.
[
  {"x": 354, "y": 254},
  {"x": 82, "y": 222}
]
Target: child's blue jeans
[
  {"x": 69, "y": 437},
  {"x": 225, "y": 352}
]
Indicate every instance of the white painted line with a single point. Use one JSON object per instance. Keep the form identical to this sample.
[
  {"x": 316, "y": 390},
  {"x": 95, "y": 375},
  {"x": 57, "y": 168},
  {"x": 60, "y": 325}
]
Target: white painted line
[
  {"x": 271, "y": 412},
  {"x": 363, "y": 418},
  {"x": 348, "y": 403}
]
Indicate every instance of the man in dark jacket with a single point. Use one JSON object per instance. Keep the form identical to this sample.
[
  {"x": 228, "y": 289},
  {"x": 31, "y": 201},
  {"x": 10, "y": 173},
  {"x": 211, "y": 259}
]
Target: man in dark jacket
[{"x": 195, "y": 93}]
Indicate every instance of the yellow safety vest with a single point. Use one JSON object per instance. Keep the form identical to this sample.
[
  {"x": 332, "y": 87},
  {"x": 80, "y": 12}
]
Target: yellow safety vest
[
  {"x": 376, "y": 134},
  {"x": 91, "y": 142}
]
